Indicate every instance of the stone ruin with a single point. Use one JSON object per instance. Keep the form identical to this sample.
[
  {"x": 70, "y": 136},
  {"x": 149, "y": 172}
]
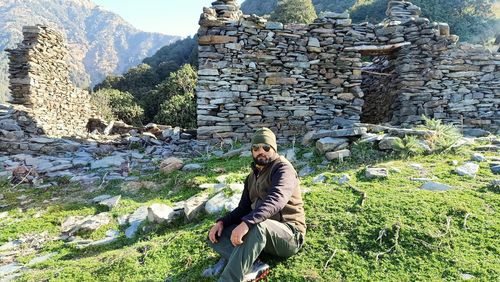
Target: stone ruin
[
  {"x": 39, "y": 82},
  {"x": 47, "y": 113},
  {"x": 334, "y": 73}
]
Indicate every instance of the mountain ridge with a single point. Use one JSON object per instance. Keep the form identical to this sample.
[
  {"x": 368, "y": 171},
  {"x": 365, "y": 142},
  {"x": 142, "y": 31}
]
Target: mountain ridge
[{"x": 100, "y": 42}]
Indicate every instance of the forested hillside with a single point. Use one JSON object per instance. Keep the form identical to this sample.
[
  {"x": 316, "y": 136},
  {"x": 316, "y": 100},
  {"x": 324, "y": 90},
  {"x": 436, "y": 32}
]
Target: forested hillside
[
  {"x": 99, "y": 41},
  {"x": 472, "y": 20}
]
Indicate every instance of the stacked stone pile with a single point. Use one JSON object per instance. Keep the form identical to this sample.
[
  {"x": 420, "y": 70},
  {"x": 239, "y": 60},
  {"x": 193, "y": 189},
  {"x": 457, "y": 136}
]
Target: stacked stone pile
[
  {"x": 39, "y": 80},
  {"x": 257, "y": 73},
  {"x": 400, "y": 10},
  {"x": 296, "y": 78}
]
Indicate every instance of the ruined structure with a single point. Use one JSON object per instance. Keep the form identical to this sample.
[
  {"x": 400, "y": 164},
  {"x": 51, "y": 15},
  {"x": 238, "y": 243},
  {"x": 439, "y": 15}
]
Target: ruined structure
[
  {"x": 295, "y": 78},
  {"x": 44, "y": 101},
  {"x": 39, "y": 82}
]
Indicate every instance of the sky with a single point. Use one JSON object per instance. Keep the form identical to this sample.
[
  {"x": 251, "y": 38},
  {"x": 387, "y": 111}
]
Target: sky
[{"x": 172, "y": 17}]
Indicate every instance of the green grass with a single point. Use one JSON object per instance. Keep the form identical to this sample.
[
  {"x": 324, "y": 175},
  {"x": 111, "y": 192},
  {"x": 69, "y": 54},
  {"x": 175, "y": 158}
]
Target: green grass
[{"x": 342, "y": 243}]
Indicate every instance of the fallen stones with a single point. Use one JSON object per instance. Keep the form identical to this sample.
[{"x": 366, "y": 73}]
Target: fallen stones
[
  {"x": 468, "y": 169},
  {"x": 194, "y": 205},
  {"x": 328, "y": 144},
  {"x": 160, "y": 213},
  {"x": 340, "y": 155},
  {"x": 477, "y": 157},
  {"x": 135, "y": 220},
  {"x": 73, "y": 224},
  {"x": 373, "y": 172},
  {"x": 192, "y": 167},
  {"x": 435, "y": 186},
  {"x": 111, "y": 202},
  {"x": 495, "y": 168},
  {"x": 171, "y": 164},
  {"x": 344, "y": 178},
  {"x": 320, "y": 178},
  {"x": 388, "y": 143},
  {"x": 115, "y": 161},
  {"x": 221, "y": 202}
]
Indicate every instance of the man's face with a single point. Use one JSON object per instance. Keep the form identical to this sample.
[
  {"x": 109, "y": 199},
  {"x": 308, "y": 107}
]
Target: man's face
[{"x": 262, "y": 154}]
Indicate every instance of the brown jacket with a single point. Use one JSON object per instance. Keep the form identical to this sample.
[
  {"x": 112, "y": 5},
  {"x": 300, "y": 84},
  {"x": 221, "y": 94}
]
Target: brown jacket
[{"x": 270, "y": 193}]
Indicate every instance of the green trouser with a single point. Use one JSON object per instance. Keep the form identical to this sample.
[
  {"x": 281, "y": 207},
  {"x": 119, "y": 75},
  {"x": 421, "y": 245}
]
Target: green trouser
[{"x": 270, "y": 236}]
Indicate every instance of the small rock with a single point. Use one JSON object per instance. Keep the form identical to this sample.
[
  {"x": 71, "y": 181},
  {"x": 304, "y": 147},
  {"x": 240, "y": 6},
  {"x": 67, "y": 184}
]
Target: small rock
[
  {"x": 192, "y": 167},
  {"x": 171, "y": 164},
  {"x": 193, "y": 205},
  {"x": 111, "y": 202},
  {"x": 308, "y": 156},
  {"x": 374, "y": 172},
  {"x": 454, "y": 162},
  {"x": 388, "y": 143},
  {"x": 306, "y": 171},
  {"x": 495, "y": 168},
  {"x": 101, "y": 198},
  {"x": 216, "y": 204},
  {"x": 41, "y": 258},
  {"x": 135, "y": 220},
  {"x": 341, "y": 154},
  {"x": 344, "y": 178},
  {"x": 216, "y": 186},
  {"x": 159, "y": 213},
  {"x": 4, "y": 215},
  {"x": 10, "y": 269},
  {"x": 122, "y": 219},
  {"x": 467, "y": 276},
  {"x": 435, "y": 186},
  {"x": 477, "y": 157},
  {"x": 291, "y": 155},
  {"x": 467, "y": 169},
  {"x": 320, "y": 178},
  {"x": 2, "y": 196},
  {"x": 110, "y": 161},
  {"x": 222, "y": 178},
  {"x": 417, "y": 166},
  {"x": 10, "y": 245},
  {"x": 246, "y": 154}
]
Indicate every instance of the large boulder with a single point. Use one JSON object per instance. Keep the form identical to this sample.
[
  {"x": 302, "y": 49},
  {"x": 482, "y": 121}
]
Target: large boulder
[{"x": 171, "y": 164}]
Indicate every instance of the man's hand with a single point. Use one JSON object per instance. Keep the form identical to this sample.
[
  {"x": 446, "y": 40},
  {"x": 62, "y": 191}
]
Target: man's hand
[
  {"x": 216, "y": 229},
  {"x": 238, "y": 233}
]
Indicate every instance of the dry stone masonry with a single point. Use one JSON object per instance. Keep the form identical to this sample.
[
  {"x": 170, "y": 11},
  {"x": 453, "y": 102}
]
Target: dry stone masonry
[
  {"x": 295, "y": 78},
  {"x": 39, "y": 82}
]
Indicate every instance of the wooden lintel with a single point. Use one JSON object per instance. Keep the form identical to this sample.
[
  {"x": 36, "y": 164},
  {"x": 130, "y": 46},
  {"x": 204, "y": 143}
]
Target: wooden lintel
[{"x": 376, "y": 49}]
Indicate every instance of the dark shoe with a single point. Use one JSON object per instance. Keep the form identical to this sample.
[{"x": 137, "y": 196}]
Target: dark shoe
[
  {"x": 215, "y": 269},
  {"x": 258, "y": 272}
]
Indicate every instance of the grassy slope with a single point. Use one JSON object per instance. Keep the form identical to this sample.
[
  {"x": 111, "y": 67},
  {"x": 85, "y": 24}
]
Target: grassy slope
[{"x": 342, "y": 236}]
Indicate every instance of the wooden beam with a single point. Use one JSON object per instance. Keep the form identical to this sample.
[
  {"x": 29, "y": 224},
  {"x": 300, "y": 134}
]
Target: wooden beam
[{"x": 377, "y": 49}]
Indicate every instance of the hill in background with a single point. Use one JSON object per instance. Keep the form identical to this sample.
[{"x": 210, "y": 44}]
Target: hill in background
[{"x": 100, "y": 42}]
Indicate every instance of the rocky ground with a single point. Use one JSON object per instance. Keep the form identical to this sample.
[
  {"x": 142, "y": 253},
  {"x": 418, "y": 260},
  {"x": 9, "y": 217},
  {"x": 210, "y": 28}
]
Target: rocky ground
[{"x": 104, "y": 195}]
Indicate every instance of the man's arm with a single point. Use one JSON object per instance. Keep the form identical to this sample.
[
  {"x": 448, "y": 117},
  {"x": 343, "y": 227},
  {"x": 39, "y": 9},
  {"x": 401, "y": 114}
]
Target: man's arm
[{"x": 283, "y": 180}]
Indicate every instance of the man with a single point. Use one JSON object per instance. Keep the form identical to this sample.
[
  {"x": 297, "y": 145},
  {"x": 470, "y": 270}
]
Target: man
[{"x": 269, "y": 218}]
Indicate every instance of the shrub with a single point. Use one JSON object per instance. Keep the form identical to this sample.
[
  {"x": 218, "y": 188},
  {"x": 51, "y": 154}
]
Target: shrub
[
  {"x": 445, "y": 137},
  {"x": 122, "y": 105},
  {"x": 409, "y": 146},
  {"x": 180, "y": 110}
]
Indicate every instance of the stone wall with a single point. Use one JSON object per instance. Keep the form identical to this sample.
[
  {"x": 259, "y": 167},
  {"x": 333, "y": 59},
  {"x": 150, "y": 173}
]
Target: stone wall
[
  {"x": 295, "y": 78},
  {"x": 39, "y": 82}
]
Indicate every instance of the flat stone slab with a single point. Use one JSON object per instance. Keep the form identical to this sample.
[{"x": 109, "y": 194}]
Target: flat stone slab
[
  {"x": 160, "y": 213},
  {"x": 328, "y": 144},
  {"x": 10, "y": 269},
  {"x": 435, "y": 186},
  {"x": 468, "y": 169},
  {"x": 194, "y": 205},
  {"x": 374, "y": 172}
]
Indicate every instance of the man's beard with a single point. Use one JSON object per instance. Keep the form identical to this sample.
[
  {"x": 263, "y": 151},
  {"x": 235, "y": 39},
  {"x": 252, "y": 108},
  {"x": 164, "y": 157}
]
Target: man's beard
[{"x": 259, "y": 160}]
